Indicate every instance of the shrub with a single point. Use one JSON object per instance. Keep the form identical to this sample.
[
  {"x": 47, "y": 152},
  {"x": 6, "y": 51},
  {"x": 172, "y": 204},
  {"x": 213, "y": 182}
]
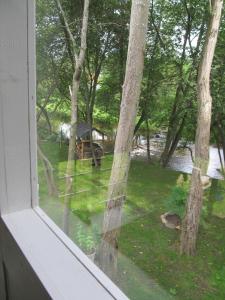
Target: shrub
[{"x": 176, "y": 202}]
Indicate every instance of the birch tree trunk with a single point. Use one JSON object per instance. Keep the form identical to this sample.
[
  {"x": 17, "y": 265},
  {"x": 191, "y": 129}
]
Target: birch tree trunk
[
  {"x": 194, "y": 202},
  {"x": 107, "y": 254},
  {"x": 79, "y": 62}
]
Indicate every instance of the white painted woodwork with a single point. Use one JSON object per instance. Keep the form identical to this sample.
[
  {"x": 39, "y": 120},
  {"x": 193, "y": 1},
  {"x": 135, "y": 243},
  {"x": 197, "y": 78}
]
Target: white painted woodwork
[{"x": 40, "y": 261}]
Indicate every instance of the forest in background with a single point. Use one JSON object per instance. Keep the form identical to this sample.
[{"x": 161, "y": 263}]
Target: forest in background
[{"x": 176, "y": 33}]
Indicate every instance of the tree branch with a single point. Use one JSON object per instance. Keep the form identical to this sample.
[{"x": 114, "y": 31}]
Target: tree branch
[{"x": 67, "y": 27}]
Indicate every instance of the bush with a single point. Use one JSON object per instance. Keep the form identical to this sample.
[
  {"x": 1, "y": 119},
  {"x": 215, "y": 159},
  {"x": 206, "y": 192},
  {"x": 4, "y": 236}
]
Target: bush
[
  {"x": 178, "y": 197},
  {"x": 87, "y": 238},
  {"x": 176, "y": 202}
]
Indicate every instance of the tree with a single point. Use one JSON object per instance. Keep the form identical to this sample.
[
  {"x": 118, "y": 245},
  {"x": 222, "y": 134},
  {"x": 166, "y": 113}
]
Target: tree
[
  {"x": 194, "y": 201},
  {"x": 182, "y": 99},
  {"x": 218, "y": 90},
  {"x": 107, "y": 254},
  {"x": 153, "y": 74},
  {"x": 78, "y": 58}
]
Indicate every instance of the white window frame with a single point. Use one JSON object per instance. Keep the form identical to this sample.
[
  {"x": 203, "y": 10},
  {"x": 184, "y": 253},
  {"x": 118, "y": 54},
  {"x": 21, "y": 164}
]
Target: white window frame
[{"x": 63, "y": 269}]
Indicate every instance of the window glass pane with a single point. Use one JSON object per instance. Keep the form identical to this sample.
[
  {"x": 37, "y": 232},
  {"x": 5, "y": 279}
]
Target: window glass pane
[{"x": 126, "y": 217}]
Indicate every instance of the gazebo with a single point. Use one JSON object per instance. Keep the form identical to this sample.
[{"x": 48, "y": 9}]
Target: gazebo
[{"x": 86, "y": 147}]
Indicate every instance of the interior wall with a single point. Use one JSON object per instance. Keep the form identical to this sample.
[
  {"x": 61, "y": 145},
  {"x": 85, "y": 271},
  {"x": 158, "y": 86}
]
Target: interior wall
[{"x": 17, "y": 279}]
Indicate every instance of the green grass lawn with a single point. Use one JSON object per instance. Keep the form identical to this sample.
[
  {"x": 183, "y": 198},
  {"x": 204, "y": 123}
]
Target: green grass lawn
[{"x": 149, "y": 262}]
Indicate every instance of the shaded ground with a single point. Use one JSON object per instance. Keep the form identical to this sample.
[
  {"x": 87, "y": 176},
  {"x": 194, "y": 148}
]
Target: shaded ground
[{"x": 149, "y": 263}]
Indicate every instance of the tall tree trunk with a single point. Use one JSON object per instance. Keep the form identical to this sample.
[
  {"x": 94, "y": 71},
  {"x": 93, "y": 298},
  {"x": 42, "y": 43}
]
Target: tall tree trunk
[
  {"x": 122, "y": 61},
  {"x": 90, "y": 110},
  {"x": 79, "y": 62},
  {"x": 90, "y": 92},
  {"x": 107, "y": 254},
  {"x": 70, "y": 168},
  {"x": 221, "y": 160},
  {"x": 90, "y": 123},
  {"x": 148, "y": 140},
  {"x": 45, "y": 113},
  {"x": 176, "y": 126},
  {"x": 174, "y": 117},
  {"x": 219, "y": 153},
  {"x": 221, "y": 133},
  {"x": 174, "y": 142},
  {"x": 140, "y": 121},
  {"x": 48, "y": 169},
  {"x": 150, "y": 83},
  {"x": 172, "y": 127},
  {"x": 194, "y": 201}
]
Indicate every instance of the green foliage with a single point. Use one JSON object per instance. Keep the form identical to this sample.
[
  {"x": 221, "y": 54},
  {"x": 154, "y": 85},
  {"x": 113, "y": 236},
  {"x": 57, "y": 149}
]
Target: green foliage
[
  {"x": 104, "y": 119},
  {"x": 218, "y": 279},
  {"x": 176, "y": 202},
  {"x": 107, "y": 42},
  {"x": 84, "y": 239},
  {"x": 87, "y": 237},
  {"x": 178, "y": 197},
  {"x": 173, "y": 291}
]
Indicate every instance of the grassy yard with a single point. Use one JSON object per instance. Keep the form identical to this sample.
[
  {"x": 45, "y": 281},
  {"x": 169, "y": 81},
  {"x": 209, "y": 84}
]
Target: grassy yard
[{"x": 149, "y": 261}]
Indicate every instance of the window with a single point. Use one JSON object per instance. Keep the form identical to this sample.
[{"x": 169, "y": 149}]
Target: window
[
  {"x": 131, "y": 230},
  {"x": 68, "y": 209}
]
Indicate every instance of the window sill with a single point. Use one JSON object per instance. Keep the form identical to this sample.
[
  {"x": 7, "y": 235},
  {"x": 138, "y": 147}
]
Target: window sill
[{"x": 64, "y": 270}]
